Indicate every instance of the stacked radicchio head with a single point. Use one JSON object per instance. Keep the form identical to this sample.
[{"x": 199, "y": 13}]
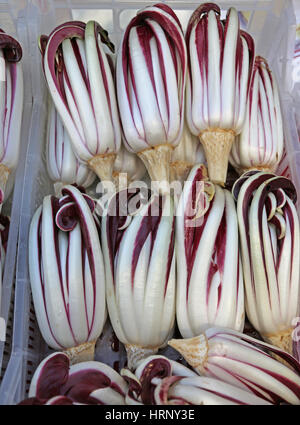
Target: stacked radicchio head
[
  {"x": 11, "y": 107},
  {"x": 219, "y": 70},
  {"x": 222, "y": 253},
  {"x": 67, "y": 273},
  {"x": 138, "y": 246},
  {"x": 79, "y": 77},
  {"x": 151, "y": 75}
]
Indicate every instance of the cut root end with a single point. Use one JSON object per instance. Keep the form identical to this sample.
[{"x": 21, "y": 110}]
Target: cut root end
[
  {"x": 193, "y": 350},
  {"x": 217, "y": 146},
  {"x": 282, "y": 340},
  {"x": 103, "y": 166},
  {"x": 157, "y": 160},
  {"x": 82, "y": 353},
  {"x": 135, "y": 354}
]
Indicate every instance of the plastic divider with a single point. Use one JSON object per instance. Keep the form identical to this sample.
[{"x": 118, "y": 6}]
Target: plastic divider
[{"x": 16, "y": 25}]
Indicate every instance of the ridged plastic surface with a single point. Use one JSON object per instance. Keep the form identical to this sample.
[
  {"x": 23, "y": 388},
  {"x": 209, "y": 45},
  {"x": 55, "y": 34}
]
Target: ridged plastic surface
[
  {"x": 271, "y": 23},
  {"x": 12, "y": 21}
]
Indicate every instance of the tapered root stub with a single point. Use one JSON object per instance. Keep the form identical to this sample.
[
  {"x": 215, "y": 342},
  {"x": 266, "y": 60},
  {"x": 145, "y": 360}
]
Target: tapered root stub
[
  {"x": 282, "y": 340},
  {"x": 103, "y": 166},
  {"x": 157, "y": 160},
  {"x": 217, "y": 146},
  {"x": 82, "y": 353},
  {"x": 194, "y": 350},
  {"x": 136, "y": 353}
]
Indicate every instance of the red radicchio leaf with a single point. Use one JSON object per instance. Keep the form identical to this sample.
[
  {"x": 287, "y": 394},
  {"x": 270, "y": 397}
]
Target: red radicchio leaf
[
  {"x": 11, "y": 48},
  {"x": 272, "y": 186},
  {"x": 52, "y": 377},
  {"x": 156, "y": 368},
  {"x": 80, "y": 188},
  {"x": 149, "y": 225},
  {"x": 66, "y": 219},
  {"x": 119, "y": 209},
  {"x": 54, "y": 57},
  {"x": 67, "y": 214},
  {"x": 67, "y": 24},
  {"x": 60, "y": 401},
  {"x": 56, "y": 387},
  {"x": 81, "y": 384},
  {"x": 134, "y": 388},
  {"x": 197, "y": 14},
  {"x": 280, "y": 198},
  {"x": 251, "y": 47},
  {"x": 239, "y": 183},
  {"x": 67, "y": 198},
  {"x": 193, "y": 234},
  {"x": 32, "y": 401},
  {"x": 90, "y": 202},
  {"x": 168, "y": 10}
]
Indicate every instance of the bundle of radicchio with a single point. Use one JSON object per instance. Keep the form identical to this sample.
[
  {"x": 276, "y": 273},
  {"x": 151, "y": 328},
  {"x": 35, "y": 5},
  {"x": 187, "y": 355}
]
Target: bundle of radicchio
[
  {"x": 56, "y": 382},
  {"x": 219, "y": 70},
  {"x": 79, "y": 77},
  {"x": 151, "y": 73},
  {"x": 11, "y": 107},
  {"x": 67, "y": 273},
  {"x": 260, "y": 144},
  {"x": 138, "y": 248},
  {"x": 244, "y": 362},
  {"x": 150, "y": 373},
  {"x": 270, "y": 248},
  {"x": 158, "y": 380}
]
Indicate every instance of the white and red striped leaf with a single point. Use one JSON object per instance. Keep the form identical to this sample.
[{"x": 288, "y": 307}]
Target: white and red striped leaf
[
  {"x": 67, "y": 271},
  {"x": 260, "y": 143}
]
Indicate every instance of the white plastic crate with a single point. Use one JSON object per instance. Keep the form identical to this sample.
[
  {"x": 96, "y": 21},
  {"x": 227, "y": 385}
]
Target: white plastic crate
[
  {"x": 12, "y": 21},
  {"x": 271, "y": 23}
]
